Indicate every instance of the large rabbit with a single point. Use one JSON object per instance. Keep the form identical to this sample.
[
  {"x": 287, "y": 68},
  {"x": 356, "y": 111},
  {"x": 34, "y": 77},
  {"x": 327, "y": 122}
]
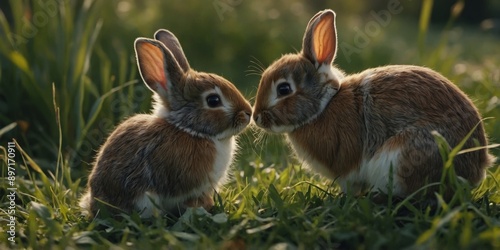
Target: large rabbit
[
  {"x": 177, "y": 156},
  {"x": 355, "y": 128}
]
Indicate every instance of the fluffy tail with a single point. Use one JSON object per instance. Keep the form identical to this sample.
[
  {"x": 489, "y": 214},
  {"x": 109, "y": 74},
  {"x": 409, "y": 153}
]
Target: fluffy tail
[{"x": 85, "y": 204}]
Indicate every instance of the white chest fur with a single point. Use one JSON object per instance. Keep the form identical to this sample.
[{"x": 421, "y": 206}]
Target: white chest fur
[
  {"x": 373, "y": 173},
  {"x": 148, "y": 202},
  {"x": 225, "y": 149}
]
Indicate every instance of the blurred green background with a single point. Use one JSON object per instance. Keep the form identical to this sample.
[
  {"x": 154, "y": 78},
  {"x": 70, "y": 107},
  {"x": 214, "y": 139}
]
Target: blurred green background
[{"x": 85, "y": 49}]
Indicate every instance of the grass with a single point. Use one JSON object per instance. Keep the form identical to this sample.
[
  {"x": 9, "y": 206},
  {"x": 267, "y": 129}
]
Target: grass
[
  {"x": 262, "y": 207},
  {"x": 80, "y": 79}
]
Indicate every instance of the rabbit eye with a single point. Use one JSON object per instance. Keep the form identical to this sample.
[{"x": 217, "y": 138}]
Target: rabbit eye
[
  {"x": 214, "y": 101},
  {"x": 283, "y": 89}
]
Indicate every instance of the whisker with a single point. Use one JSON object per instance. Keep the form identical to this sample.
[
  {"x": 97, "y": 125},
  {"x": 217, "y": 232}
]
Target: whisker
[
  {"x": 256, "y": 67},
  {"x": 253, "y": 72},
  {"x": 251, "y": 98},
  {"x": 257, "y": 64},
  {"x": 260, "y": 139}
]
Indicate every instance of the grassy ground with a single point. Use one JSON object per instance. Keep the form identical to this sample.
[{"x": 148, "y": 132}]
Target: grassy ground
[{"x": 64, "y": 88}]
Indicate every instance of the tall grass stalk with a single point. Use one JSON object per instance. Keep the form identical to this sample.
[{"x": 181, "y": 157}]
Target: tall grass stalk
[
  {"x": 68, "y": 36},
  {"x": 423, "y": 25},
  {"x": 75, "y": 76}
]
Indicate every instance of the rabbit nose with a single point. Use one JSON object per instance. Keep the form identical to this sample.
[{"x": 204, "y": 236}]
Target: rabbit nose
[
  {"x": 257, "y": 118},
  {"x": 245, "y": 116},
  {"x": 248, "y": 116}
]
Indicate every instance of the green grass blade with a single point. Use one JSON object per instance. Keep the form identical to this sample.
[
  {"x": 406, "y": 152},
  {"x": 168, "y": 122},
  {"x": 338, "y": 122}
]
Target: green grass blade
[
  {"x": 96, "y": 108},
  {"x": 31, "y": 162},
  {"x": 423, "y": 25},
  {"x": 7, "y": 128}
]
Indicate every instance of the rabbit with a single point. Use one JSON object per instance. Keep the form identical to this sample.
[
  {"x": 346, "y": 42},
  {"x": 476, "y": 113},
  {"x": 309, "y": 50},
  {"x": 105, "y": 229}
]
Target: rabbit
[
  {"x": 371, "y": 131},
  {"x": 174, "y": 158}
]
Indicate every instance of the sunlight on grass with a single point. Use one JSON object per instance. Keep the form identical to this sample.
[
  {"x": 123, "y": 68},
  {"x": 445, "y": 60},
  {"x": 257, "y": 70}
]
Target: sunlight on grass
[{"x": 75, "y": 79}]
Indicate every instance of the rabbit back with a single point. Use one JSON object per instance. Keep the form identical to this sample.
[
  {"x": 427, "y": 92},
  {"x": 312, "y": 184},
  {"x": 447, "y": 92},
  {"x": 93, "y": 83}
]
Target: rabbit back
[
  {"x": 383, "y": 118},
  {"x": 177, "y": 156},
  {"x": 403, "y": 106},
  {"x": 166, "y": 164},
  {"x": 373, "y": 130}
]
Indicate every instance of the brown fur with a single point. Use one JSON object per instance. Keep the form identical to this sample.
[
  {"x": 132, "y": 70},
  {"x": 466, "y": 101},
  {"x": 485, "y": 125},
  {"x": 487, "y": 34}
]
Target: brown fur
[
  {"x": 423, "y": 101},
  {"x": 333, "y": 138},
  {"x": 370, "y": 115},
  {"x": 163, "y": 160},
  {"x": 177, "y": 156}
]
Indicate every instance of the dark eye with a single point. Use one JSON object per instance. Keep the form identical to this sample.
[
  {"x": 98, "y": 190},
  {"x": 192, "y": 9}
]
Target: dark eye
[
  {"x": 214, "y": 101},
  {"x": 283, "y": 89}
]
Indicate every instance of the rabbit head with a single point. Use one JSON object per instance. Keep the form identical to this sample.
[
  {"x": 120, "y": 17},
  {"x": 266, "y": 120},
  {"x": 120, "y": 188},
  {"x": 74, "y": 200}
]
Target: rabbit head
[
  {"x": 358, "y": 128},
  {"x": 200, "y": 103},
  {"x": 296, "y": 88},
  {"x": 177, "y": 156}
]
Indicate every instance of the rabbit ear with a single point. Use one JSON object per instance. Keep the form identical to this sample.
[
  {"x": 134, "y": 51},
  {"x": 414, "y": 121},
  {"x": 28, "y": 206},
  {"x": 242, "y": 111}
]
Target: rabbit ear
[
  {"x": 158, "y": 67},
  {"x": 320, "y": 39},
  {"x": 171, "y": 42}
]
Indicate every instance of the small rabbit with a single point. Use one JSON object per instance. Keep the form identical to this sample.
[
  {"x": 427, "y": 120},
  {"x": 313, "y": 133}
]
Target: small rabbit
[
  {"x": 358, "y": 129},
  {"x": 175, "y": 157}
]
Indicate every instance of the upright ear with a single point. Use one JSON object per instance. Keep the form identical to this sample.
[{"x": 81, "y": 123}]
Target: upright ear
[
  {"x": 171, "y": 42},
  {"x": 320, "y": 39},
  {"x": 158, "y": 67}
]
